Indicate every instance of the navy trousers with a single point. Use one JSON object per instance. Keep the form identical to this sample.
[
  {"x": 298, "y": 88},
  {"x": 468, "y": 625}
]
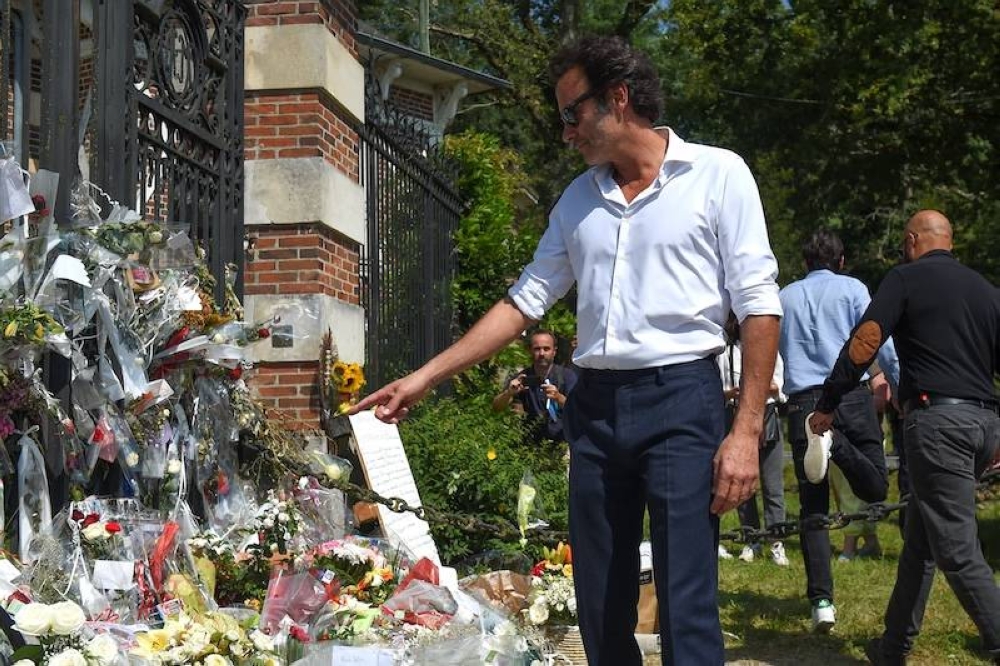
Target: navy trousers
[{"x": 646, "y": 438}]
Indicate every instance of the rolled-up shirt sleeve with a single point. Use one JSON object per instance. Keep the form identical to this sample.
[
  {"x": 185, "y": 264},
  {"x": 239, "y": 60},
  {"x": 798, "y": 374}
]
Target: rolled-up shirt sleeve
[
  {"x": 547, "y": 278},
  {"x": 751, "y": 270}
]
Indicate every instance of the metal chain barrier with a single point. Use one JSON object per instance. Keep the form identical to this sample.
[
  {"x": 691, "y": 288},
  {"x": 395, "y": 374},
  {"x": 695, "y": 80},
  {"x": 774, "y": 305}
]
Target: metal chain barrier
[{"x": 874, "y": 512}]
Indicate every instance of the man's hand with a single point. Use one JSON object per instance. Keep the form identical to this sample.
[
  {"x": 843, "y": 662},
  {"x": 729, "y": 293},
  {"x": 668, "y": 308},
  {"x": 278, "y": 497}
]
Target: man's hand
[
  {"x": 392, "y": 402},
  {"x": 736, "y": 467},
  {"x": 820, "y": 422},
  {"x": 517, "y": 384},
  {"x": 552, "y": 393}
]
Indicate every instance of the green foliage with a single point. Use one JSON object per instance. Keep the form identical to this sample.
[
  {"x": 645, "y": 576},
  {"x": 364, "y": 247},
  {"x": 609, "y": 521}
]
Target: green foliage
[
  {"x": 494, "y": 240},
  {"x": 449, "y": 443}
]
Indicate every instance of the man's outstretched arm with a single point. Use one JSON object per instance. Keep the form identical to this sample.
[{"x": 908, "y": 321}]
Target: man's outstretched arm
[{"x": 502, "y": 324}]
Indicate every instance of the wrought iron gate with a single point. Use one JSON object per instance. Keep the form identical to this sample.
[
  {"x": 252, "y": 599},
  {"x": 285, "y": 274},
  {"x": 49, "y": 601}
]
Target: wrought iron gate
[
  {"x": 153, "y": 92},
  {"x": 413, "y": 213}
]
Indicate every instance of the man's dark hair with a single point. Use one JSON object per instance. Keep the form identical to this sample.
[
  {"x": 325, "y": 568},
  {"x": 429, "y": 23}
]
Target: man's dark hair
[
  {"x": 541, "y": 331},
  {"x": 823, "y": 250},
  {"x": 609, "y": 60}
]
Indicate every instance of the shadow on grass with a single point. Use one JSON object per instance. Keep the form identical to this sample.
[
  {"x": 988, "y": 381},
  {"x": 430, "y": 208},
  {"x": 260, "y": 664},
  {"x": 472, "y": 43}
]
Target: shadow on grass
[{"x": 742, "y": 612}]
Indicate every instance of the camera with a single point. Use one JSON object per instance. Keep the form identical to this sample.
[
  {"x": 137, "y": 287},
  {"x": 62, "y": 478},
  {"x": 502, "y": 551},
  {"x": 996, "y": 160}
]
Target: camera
[{"x": 532, "y": 381}]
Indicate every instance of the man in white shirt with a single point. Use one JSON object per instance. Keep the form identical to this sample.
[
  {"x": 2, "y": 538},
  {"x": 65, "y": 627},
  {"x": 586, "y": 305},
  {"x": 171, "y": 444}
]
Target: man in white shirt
[{"x": 663, "y": 238}]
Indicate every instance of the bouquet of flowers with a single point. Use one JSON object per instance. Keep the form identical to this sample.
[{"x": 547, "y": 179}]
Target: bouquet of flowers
[
  {"x": 58, "y": 630},
  {"x": 552, "y": 599},
  {"x": 341, "y": 381},
  {"x": 100, "y": 539},
  {"x": 363, "y": 569},
  {"x": 212, "y": 639}
]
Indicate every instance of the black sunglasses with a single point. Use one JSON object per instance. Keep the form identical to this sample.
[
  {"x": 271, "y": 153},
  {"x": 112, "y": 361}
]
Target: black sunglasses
[{"x": 568, "y": 113}]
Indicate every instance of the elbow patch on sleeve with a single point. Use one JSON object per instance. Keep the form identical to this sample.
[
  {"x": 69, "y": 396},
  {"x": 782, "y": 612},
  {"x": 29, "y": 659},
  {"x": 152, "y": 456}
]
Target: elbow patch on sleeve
[{"x": 865, "y": 342}]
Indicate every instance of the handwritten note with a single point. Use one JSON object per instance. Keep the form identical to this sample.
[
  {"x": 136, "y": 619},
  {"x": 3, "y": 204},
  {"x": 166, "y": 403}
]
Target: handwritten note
[{"x": 388, "y": 472}]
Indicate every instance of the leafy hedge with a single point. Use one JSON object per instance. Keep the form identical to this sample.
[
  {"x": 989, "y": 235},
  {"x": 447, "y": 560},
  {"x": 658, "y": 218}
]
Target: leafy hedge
[{"x": 449, "y": 443}]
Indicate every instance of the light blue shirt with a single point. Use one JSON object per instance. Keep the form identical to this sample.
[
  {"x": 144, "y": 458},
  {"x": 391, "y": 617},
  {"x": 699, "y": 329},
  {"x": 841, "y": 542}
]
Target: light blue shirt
[{"x": 820, "y": 311}]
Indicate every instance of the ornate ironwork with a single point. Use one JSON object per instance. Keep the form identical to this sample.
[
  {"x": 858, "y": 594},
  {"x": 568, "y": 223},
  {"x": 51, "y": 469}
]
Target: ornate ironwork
[{"x": 183, "y": 117}]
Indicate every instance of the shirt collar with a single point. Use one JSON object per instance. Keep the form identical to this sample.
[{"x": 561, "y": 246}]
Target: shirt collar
[{"x": 678, "y": 150}]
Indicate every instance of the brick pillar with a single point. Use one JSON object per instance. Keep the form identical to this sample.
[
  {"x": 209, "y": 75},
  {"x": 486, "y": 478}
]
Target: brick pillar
[{"x": 305, "y": 208}]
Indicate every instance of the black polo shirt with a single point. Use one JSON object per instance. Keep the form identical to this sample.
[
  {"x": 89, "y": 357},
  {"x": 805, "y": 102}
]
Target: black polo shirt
[{"x": 944, "y": 318}]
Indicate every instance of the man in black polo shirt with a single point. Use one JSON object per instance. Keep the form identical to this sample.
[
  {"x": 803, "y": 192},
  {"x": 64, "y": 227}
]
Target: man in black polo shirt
[{"x": 945, "y": 320}]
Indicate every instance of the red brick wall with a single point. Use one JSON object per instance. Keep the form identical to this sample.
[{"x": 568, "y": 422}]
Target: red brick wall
[
  {"x": 307, "y": 258},
  {"x": 417, "y": 104},
  {"x": 339, "y": 16},
  {"x": 291, "y": 387},
  {"x": 299, "y": 125}
]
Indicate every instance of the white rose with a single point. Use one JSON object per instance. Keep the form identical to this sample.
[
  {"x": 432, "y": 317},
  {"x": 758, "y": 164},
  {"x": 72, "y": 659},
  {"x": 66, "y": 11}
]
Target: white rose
[
  {"x": 216, "y": 660},
  {"x": 232, "y": 635},
  {"x": 132, "y": 459},
  {"x": 24, "y": 662},
  {"x": 262, "y": 641},
  {"x": 268, "y": 523},
  {"x": 68, "y": 657},
  {"x": 67, "y": 618},
  {"x": 174, "y": 466},
  {"x": 538, "y": 613},
  {"x": 34, "y": 620},
  {"x": 103, "y": 649},
  {"x": 95, "y": 532},
  {"x": 218, "y": 338},
  {"x": 282, "y": 506},
  {"x": 282, "y": 517},
  {"x": 332, "y": 472}
]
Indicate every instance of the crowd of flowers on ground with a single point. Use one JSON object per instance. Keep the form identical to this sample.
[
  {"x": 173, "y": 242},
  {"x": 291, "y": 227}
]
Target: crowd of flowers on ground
[{"x": 196, "y": 529}]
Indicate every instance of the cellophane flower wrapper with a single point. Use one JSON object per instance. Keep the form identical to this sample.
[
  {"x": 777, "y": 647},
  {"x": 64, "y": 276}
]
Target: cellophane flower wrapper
[
  {"x": 129, "y": 452},
  {"x": 529, "y": 506},
  {"x": 298, "y": 596},
  {"x": 36, "y": 252},
  {"x": 34, "y": 507},
  {"x": 12, "y": 259},
  {"x": 322, "y": 511},
  {"x": 423, "y": 603},
  {"x": 326, "y": 466}
]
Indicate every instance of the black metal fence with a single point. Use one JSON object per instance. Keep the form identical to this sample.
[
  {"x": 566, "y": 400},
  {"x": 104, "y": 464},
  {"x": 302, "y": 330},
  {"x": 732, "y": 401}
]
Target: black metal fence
[
  {"x": 413, "y": 212},
  {"x": 151, "y": 90}
]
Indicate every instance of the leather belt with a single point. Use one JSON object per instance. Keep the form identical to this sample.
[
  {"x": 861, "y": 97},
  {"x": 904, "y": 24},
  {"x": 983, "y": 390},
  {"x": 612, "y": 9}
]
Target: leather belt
[{"x": 926, "y": 400}]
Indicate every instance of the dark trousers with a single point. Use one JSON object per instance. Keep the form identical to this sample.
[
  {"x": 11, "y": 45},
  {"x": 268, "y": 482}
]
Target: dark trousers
[
  {"x": 772, "y": 488},
  {"x": 947, "y": 448},
  {"x": 857, "y": 450},
  {"x": 643, "y": 439}
]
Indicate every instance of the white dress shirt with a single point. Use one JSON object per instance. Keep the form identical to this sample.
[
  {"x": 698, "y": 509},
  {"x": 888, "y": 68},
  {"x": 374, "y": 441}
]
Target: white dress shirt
[
  {"x": 656, "y": 276},
  {"x": 731, "y": 371}
]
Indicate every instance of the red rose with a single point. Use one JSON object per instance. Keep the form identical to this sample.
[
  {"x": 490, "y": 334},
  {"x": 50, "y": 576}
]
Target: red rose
[
  {"x": 113, "y": 527},
  {"x": 90, "y": 520},
  {"x": 264, "y": 333},
  {"x": 77, "y": 515},
  {"x": 236, "y": 372}
]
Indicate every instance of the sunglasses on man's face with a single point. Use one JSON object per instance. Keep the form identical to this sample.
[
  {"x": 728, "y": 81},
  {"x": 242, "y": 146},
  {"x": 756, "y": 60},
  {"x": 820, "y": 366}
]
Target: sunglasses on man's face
[{"x": 568, "y": 112}]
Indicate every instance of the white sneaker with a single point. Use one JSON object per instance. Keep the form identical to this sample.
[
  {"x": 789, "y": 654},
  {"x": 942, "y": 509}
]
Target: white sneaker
[
  {"x": 747, "y": 554},
  {"x": 824, "y": 616},
  {"x": 817, "y": 456},
  {"x": 724, "y": 554},
  {"x": 778, "y": 554}
]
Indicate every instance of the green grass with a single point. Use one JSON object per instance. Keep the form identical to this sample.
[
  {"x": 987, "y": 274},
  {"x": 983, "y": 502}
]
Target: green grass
[{"x": 765, "y": 614}]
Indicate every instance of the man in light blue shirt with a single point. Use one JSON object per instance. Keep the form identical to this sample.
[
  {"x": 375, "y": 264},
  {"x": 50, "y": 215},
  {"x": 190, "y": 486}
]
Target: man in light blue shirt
[{"x": 820, "y": 312}]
